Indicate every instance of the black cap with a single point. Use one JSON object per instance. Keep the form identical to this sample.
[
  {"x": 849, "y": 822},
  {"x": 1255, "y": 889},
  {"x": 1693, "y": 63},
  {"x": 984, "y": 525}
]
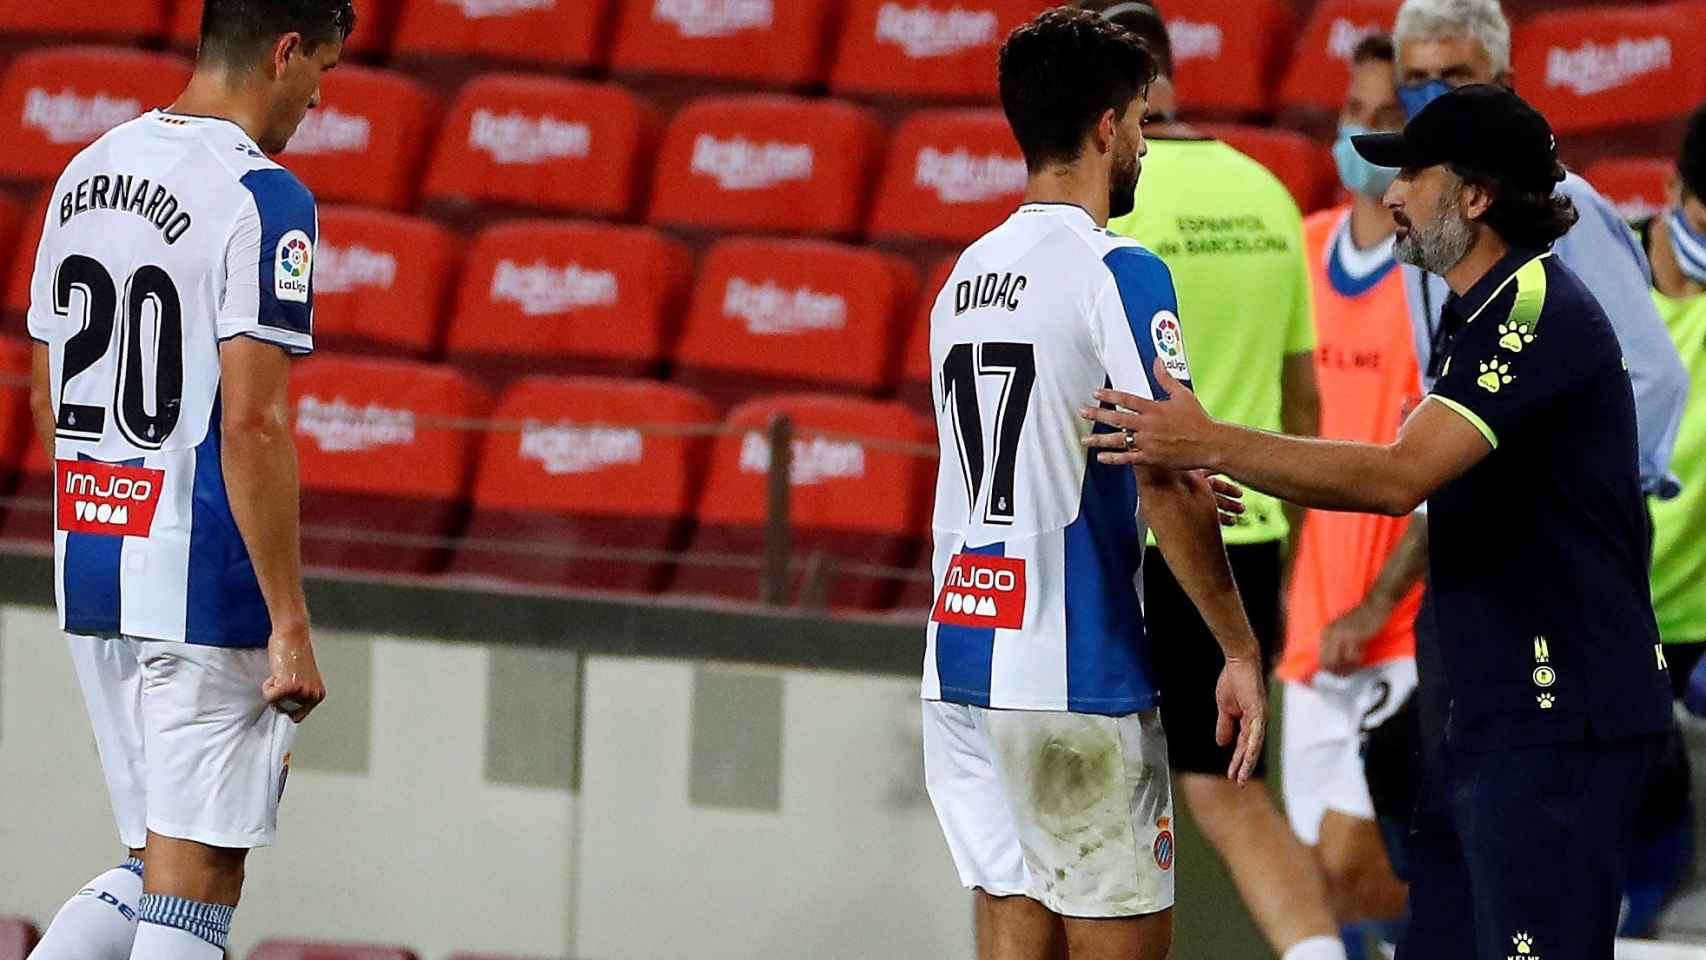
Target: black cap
[{"x": 1483, "y": 128}]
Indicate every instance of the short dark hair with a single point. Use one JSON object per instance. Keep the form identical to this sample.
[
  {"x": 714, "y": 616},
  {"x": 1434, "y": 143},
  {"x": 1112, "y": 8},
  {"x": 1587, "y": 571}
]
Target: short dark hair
[
  {"x": 233, "y": 31},
  {"x": 1142, "y": 18},
  {"x": 1691, "y": 162},
  {"x": 1060, "y": 73},
  {"x": 1524, "y": 217},
  {"x": 1375, "y": 48}
]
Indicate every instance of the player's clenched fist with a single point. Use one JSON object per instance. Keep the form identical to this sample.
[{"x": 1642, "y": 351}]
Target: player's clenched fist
[{"x": 294, "y": 686}]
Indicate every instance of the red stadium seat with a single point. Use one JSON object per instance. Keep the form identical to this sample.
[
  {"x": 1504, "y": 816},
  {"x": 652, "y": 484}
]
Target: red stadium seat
[
  {"x": 951, "y": 176},
  {"x": 1637, "y": 186},
  {"x": 54, "y": 102},
  {"x": 1228, "y": 54},
  {"x": 771, "y": 315},
  {"x": 309, "y": 950},
  {"x": 1614, "y": 68},
  {"x": 17, "y": 938},
  {"x": 915, "y": 369},
  {"x": 1320, "y": 71},
  {"x": 597, "y": 485},
  {"x": 554, "y": 297},
  {"x": 1305, "y": 166},
  {"x": 775, "y": 44},
  {"x": 22, "y": 268},
  {"x": 766, "y": 164},
  {"x": 857, "y": 496},
  {"x": 374, "y": 20},
  {"x": 380, "y": 464},
  {"x": 382, "y": 282},
  {"x": 364, "y": 142},
  {"x": 88, "y": 20},
  {"x": 543, "y": 33},
  {"x": 12, "y": 252},
  {"x": 924, "y": 49},
  {"x": 527, "y": 142},
  {"x": 24, "y": 468}
]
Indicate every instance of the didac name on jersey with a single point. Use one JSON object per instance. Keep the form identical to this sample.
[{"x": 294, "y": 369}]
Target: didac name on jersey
[
  {"x": 127, "y": 194},
  {"x": 989, "y": 290}
]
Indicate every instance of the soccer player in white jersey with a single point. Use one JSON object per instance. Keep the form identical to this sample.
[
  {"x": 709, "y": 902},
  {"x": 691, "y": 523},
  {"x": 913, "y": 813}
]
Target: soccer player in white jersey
[
  {"x": 172, "y": 286},
  {"x": 1043, "y": 748}
]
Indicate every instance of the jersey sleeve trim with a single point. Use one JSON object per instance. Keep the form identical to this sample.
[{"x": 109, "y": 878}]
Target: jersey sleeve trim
[
  {"x": 1471, "y": 416},
  {"x": 294, "y": 344}
]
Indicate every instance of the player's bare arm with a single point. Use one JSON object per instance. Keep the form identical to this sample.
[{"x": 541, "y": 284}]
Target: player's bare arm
[
  {"x": 1300, "y": 416},
  {"x": 1435, "y": 446},
  {"x": 261, "y": 480},
  {"x": 1344, "y": 640},
  {"x": 1180, "y": 508},
  {"x": 41, "y": 396}
]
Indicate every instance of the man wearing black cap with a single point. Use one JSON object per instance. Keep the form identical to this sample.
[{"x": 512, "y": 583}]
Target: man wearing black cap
[{"x": 1526, "y": 453}]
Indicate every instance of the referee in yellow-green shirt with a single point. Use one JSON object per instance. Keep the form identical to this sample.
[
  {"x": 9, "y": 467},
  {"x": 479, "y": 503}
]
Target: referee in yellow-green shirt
[{"x": 1233, "y": 238}]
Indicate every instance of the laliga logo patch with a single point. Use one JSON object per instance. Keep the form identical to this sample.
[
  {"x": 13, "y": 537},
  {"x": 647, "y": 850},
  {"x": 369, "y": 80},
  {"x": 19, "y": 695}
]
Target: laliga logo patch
[
  {"x": 293, "y": 267},
  {"x": 983, "y": 592},
  {"x": 1169, "y": 340}
]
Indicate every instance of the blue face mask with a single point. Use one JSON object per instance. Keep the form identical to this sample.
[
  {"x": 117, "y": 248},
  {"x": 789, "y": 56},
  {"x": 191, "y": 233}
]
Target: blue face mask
[
  {"x": 1415, "y": 96},
  {"x": 1358, "y": 175},
  {"x": 1689, "y": 245}
]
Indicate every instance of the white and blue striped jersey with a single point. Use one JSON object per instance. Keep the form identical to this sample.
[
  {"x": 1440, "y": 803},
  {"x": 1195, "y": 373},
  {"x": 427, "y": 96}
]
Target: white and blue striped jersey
[
  {"x": 163, "y": 238},
  {"x": 1038, "y": 549}
]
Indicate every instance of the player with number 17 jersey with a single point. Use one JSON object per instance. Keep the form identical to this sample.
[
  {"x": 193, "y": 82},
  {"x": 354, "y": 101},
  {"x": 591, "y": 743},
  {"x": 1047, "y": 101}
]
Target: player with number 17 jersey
[
  {"x": 164, "y": 238},
  {"x": 1037, "y": 547}
]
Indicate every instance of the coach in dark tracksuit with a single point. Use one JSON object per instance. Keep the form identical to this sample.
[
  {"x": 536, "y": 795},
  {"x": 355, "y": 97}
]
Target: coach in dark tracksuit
[{"x": 1526, "y": 453}]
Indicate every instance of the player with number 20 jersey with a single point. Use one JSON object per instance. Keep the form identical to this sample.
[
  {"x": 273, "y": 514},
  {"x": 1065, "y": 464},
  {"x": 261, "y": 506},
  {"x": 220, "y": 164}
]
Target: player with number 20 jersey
[{"x": 172, "y": 286}]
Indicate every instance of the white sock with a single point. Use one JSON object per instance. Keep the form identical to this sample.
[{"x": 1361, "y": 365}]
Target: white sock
[
  {"x": 174, "y": 928},
  {"x": 99, "y": 923},
  {"x": 1317, "y": 948}
]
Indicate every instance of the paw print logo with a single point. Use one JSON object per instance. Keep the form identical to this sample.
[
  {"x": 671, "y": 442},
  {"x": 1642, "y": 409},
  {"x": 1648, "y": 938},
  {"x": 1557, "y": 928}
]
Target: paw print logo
[
  {"x": 1524, "y": 943},
  {"x": 1514, "y": 337},
  {"x": 1546, "y": 700},
  {"x": 1494, "y": 375}
]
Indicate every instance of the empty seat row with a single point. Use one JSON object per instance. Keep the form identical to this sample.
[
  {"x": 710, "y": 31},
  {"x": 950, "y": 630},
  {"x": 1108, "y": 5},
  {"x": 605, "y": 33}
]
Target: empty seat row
[
  {"x": 563, "y": 297},
  {"x": 520, "y": 142},
  {"x": 583, "y": 482}
]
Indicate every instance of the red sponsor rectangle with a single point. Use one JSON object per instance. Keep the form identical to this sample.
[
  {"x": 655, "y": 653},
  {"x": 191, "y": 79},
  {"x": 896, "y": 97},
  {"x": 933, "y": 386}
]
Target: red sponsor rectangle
[
  {"x": 982, "y": 592},
  {"x": 105, "y": 498}
]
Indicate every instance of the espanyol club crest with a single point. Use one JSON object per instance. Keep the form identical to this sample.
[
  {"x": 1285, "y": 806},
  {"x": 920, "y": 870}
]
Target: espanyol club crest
[
  {"x": 293, "y": 266},
  {"x": 1169, "y": 340}
]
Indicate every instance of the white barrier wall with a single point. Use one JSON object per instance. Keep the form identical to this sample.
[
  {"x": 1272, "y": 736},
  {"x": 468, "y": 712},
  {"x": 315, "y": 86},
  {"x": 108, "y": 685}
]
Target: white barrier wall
[{"x": 721, "y": 812}]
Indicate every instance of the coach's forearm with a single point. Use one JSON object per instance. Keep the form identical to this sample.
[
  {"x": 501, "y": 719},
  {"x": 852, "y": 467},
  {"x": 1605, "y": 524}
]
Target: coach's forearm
[
  {"x": 1316, "y": 473},
  {"x": 1180, "y": 509},
  {"x": 259, "y": 459}
]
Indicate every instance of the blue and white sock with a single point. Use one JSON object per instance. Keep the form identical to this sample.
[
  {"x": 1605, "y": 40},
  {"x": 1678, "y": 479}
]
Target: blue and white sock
[
  {"x": 173, "y": 928},
  {"x": 99, "y": 923}
]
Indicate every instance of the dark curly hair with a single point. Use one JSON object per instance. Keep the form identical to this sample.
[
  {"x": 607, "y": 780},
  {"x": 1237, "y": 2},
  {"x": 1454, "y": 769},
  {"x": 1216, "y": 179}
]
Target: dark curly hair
[
  {"x": 1691, "y": 162},
  {"x": 1525, "y": 216},
  {"x": 233, "y": 32},
  {"x": 1142, "y": 18},
  {"x": 1060, "y": 73}
]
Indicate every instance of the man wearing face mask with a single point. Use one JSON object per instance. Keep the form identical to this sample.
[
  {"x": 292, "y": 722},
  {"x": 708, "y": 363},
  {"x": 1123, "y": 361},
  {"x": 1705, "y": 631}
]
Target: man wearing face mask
[
  {"x": 1350, "y": 647},
  {"x": 1214, "y": 213},
  {"x": 1444, "y": 44}
]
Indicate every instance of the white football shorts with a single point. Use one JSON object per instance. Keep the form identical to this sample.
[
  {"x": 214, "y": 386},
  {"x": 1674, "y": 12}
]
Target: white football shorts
[
  {"x": 189, "y": 747},
  {"x": 1321, "y": 745},
  {"x": 1072, "y": 810}
]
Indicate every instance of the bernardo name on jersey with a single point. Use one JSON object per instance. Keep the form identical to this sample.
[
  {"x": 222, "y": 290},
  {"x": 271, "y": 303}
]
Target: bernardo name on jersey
[
  {"x": 163, "y": 238},
  {"x": 1038, "y": 548}
]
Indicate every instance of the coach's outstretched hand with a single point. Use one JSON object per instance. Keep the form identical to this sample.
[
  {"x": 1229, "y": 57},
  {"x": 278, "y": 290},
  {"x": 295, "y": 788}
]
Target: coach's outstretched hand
[
  {"x": 294, "y": 687},
  {"x": 1175, "y": 434},
  {"x": 1242, "y": 698}
]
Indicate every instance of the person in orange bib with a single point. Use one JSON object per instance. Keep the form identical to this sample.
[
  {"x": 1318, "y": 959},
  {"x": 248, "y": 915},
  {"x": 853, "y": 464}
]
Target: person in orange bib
[{"x": 1350, "y": 649}]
